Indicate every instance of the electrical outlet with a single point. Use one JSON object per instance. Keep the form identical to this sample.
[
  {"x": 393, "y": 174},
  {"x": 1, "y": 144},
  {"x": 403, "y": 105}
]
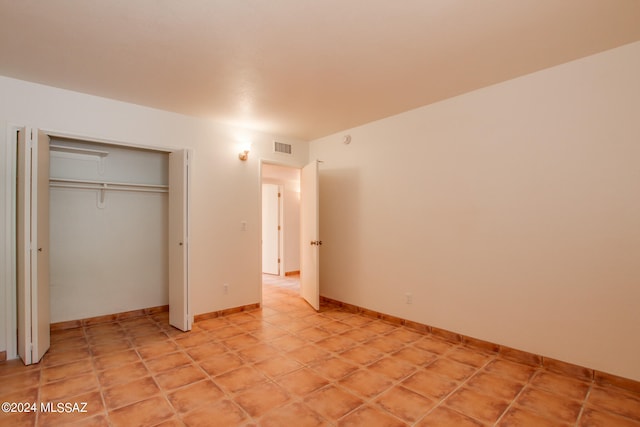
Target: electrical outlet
[
  {"x": 408, "y": 298},
  {"x": 226, "y": 288}
]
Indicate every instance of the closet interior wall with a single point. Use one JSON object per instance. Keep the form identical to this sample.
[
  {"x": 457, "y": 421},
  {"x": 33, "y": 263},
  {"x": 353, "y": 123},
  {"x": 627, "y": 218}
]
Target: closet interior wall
[{"x": 109, "y": 250}]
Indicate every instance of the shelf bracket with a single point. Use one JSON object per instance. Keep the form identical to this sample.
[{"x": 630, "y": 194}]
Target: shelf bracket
[{"x": 101, "y": 196}]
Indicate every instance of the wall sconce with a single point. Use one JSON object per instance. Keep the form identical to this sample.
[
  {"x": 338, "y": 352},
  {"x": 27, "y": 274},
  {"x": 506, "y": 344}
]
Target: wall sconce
[{"x": 244, "y": 151}]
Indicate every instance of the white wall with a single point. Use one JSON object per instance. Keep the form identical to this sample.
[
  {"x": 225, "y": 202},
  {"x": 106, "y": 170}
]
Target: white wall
[
  {"x": 111, "y": 257},
  {"x": 512, "y": 213},
  {"x": 225, "y": 191}
]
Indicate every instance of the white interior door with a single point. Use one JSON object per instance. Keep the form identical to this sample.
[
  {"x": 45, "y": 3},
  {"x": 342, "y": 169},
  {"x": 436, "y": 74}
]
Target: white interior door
[
  {"x": 179, "y": 308},
  {"x": 32, "y": 222},
  {"x": 270, "y": 229},
  {"x": 309, "y": 235}
]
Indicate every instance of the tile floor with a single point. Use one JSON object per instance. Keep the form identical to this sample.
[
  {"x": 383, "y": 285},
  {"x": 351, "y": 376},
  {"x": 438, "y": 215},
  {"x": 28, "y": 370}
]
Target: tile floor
[{"x": 286, "y": 365}]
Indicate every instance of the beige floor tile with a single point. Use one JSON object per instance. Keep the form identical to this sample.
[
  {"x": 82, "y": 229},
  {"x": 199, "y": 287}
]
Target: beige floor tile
[
  {"x": 179, "y": 377},
  {"x": 495, "y": 385},
  {"x": 207, "y": 350},
  {"x": 309, "y": 354},
  {"x": 195, "y": 395},
  {"x": 240, "y": 379},
  {"x": 294, "y": 414},
  {"x": 257, "y": 352},
  {"x": 334, "y": 368},
  {"x": 363, "y": 355},
  {"x": 68, "y": 387},
  {"x": 130, "y": 392},
  {"x": 333, "y": 402},
  {"x": 104, "y": 348},
  {"x": 392, "y": 368},
  {"x": 430, "y": 384},
  {"x": 549, "y": 405},
  {"x": 368, "y": 416},
  {"x": 167, "y": 362},
  {"x": 594, "y": 417},
  {"x": 121, "y": 374},
  {"x": 521, "y": 417},
  {"x": 313, "y": 334},
  {"x": 415, "y": 356},
  {"x": 442, "y": 416},
  {"x": 616, "y": 401},
  {"x": 469, "y": 356},
  {"x": 116, "y": 359},
  {"x": 385, "y": 344},
  {"x": 450, "y": 368},
  {"x": 219, "y": 414},
  {"x": 405, "y": 404},
  {"x": 512, "y": 370},
  {"x": 19, "y": 381},
  {"x": 365, "y": 383},
  {"x": 277, "y": 366},
  {"x": 301, "y": 382},
  {"x": 262, "y": 398},
  {"x": 336, "y": 343},
  {"x": 560, "y": 384},
  {"x": 144, "y": 413},
  {"x": 221, "y": 363},
  {"x": 433, "y": 345},
  {"x": 477, "y": 405}
]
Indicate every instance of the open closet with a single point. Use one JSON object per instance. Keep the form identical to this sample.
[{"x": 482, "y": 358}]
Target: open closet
[
  {"x": 108, "y": 213},
  {"x": 101, "y": 229}
]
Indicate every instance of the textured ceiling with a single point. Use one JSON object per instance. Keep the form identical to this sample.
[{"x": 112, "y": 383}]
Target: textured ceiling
[{"x": 299, "y": 68}]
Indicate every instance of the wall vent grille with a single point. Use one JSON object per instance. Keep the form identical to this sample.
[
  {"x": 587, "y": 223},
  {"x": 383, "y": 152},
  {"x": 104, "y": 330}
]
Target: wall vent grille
[{"x": 280, "y": 147}]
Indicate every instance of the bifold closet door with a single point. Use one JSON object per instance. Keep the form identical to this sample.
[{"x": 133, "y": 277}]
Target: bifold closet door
[
  {"x": 179, "y": 313},
  {"x": 32, "y": 235}
]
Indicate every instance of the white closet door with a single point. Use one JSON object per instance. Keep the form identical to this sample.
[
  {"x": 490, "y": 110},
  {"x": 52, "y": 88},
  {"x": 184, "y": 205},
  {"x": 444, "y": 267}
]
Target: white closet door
[
  {"x": 32, "y": 221},
  {"x": 179, "y": 313}
]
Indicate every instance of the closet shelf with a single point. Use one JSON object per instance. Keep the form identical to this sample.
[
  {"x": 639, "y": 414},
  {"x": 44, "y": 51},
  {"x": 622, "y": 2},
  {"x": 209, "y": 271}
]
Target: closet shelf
[
  {"x": 77, "y": 150},
  {"x": 105, "y": 185}
]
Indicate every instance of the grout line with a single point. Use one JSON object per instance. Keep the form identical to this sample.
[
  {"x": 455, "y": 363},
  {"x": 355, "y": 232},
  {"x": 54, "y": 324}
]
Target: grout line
[
  {"x": 584, "y": 402},
  {"x": 94, "y": 369}
]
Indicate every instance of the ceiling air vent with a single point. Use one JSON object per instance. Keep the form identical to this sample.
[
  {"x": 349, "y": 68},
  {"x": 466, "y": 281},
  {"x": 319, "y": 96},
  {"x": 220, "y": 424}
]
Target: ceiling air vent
[{"x": 280, "y": 147}]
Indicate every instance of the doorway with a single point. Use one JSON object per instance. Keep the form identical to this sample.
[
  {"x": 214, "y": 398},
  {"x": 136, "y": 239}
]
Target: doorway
[{"x": 280, "y": 224}]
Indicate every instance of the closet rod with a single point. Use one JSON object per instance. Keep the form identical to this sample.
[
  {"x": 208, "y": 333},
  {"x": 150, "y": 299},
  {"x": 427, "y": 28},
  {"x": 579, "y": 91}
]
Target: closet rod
[
  {"x": 121, "y": 187},
  {"x": 105, "y": 185},
  {"x": 88, "y": 182}
]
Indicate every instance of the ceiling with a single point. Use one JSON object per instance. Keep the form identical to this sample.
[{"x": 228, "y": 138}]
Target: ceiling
[{"x": 299, "y": 68}]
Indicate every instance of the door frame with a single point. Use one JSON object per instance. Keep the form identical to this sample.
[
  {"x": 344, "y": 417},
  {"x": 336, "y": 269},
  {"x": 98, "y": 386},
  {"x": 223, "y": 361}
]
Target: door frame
[
  {"x": 283, "y": 253},
  {"x": 9, "y": 226}
]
